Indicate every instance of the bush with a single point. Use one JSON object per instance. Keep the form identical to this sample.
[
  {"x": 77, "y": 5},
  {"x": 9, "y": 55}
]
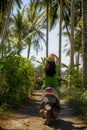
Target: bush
[
  {"x": 76, "y": 98},
  {"x": 17, "y": 80}
]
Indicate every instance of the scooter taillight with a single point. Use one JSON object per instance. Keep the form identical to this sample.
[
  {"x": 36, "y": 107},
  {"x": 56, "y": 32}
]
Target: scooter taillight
[{"x": 49, "y": 90}]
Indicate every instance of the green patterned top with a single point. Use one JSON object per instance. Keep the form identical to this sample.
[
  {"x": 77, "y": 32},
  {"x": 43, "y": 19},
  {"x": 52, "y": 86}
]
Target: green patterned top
[{"x": 51, "y": 81}]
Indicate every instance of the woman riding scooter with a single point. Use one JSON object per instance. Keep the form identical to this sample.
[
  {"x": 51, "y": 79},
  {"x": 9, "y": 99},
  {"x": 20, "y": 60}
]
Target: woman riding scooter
[{"x": 50, "y": 82}]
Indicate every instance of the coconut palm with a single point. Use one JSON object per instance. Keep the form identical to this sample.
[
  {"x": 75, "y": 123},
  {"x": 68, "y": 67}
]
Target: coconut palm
[
  {"x": 60, "y": 34},
  {"x": 6, "y": 10},
  {"x": 51, "y": 17},
  {"x": 35, "y": 22},
  {"x": 63, "y": 6},
  {"x": 67, "y": 15},
  {"x": 50, "y": 6},
  {"x": 84, "y": 43},
  {"x": 74, "y": 21},
  {"x": 75, "y": 18},
  {"x": 3, "y": 33},
  {"x": 18, "y": 31},
  {"x": 78, "y": 42},
  {"x": 72, "y": 36}
]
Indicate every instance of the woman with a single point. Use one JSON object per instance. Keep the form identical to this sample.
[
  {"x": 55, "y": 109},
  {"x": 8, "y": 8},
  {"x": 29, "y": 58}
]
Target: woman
[{"x": 51, "y": 72}]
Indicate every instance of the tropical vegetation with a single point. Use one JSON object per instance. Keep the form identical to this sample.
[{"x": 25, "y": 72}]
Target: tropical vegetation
[{"x": 29, "y": 28}]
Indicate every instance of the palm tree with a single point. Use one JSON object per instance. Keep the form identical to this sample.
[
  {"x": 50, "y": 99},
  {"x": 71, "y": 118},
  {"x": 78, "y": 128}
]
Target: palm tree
[
  {"x": 78, "y": 43},
  {"x": 72, "y": 36},
  {"x": 5, "y": 24},
  {"x": 47, "y": 32},
  {"x": 18, "y": 31},
  {"x": 63, "y": 10},
  {"x": 52, "y": 16},
  {"x": 67, "y": 15},
  {"x": 84, "y": 43},
  {"x": 45, "y": 3},
  {"x": 60, "y": 35},
  {"x": 35, "y": 22},
  {"x": 6, "y": 10},
  {"x": 71, "y": 24},
  {"x": 50, "y": 6}
]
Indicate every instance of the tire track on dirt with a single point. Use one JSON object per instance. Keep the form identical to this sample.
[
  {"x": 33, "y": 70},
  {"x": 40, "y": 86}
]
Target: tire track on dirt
[{"x": 28, "y": 118}]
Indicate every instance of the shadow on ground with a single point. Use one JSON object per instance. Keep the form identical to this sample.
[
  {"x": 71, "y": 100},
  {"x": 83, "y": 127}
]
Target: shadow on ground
[
  {"x": 32, "y": 109},
  {"x": 28, "y": 117}
]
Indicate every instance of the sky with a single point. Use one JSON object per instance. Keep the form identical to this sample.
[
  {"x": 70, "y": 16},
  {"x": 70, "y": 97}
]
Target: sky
[
  {"x": 53, "y": 47},
  {"x": 53, "y": 44}
]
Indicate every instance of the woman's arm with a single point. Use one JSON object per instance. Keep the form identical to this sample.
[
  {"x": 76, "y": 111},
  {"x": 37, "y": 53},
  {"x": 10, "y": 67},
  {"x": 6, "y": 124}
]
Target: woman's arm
[{"x": 57, "y": 58}]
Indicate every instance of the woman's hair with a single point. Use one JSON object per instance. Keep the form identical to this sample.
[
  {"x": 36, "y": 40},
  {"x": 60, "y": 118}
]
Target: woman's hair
[{"x": 50, "y": 68}]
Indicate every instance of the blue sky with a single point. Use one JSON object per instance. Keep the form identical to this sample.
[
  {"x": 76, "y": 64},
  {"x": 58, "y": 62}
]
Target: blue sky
[{"x": 53, "y": 44}]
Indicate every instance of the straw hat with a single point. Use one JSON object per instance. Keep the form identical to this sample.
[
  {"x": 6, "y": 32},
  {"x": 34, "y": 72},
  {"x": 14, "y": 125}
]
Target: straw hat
[{"x": 51, "y": 59}]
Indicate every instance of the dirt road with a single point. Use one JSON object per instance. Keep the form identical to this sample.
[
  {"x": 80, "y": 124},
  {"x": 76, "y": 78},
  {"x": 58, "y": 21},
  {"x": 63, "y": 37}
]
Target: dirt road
[{"x": 28, "y": 118}]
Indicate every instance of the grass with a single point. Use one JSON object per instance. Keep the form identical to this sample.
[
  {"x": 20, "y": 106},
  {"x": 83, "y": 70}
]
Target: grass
[{"x": 77, "y": 99}]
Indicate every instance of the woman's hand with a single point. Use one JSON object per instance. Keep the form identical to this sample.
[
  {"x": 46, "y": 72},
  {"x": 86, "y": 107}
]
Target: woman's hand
[{"x": 57, "y": 58}]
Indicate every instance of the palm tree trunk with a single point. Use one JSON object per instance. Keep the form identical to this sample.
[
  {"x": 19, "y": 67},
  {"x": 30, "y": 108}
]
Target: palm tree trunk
[
  {"x": 47, "y": 32},
  {"x": 72, "y": 42},
  {"x": 72, "y": 36},
  {"x": 19, "y": 45},
  {"x": 78, "y": 60},
  {"x": 84, "y": 43},
  {"x": 28, "y": 53},
  {"x": 4, "y": 29},
  {"x": 60, "y": 35}
]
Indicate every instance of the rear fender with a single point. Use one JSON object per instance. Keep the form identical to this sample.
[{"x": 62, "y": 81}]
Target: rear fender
[
  {"x": 54, "y": 93},
  {"x": 49, "y": 99}
]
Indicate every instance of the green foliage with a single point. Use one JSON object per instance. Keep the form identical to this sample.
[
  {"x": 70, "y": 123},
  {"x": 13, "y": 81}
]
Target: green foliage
[
  {"x": 17, "y": 77},
  {"x": 84, "y": 97},
  {"x": 77, "y": 98},
  {"x": 74, "y": 75},
  {"x": 1, "y": 111},
  {"x": 76, "y": 78}
]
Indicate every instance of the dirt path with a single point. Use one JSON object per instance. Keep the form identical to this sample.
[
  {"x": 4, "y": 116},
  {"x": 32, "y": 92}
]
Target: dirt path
[{"x": 28, "y": 118}]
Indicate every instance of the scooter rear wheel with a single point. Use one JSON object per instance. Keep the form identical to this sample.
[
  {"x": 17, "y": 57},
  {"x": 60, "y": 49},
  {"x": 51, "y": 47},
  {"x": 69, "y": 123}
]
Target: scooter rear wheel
[{"x": 49, "y": 116}]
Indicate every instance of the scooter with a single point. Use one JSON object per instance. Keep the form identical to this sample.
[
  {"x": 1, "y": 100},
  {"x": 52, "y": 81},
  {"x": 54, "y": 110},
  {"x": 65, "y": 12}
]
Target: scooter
[{"x": 50, "y": 105}]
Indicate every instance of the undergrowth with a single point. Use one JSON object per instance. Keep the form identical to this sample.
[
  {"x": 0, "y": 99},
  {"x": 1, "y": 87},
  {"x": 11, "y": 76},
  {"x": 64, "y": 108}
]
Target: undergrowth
[{"x": 77, "y": 98}]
